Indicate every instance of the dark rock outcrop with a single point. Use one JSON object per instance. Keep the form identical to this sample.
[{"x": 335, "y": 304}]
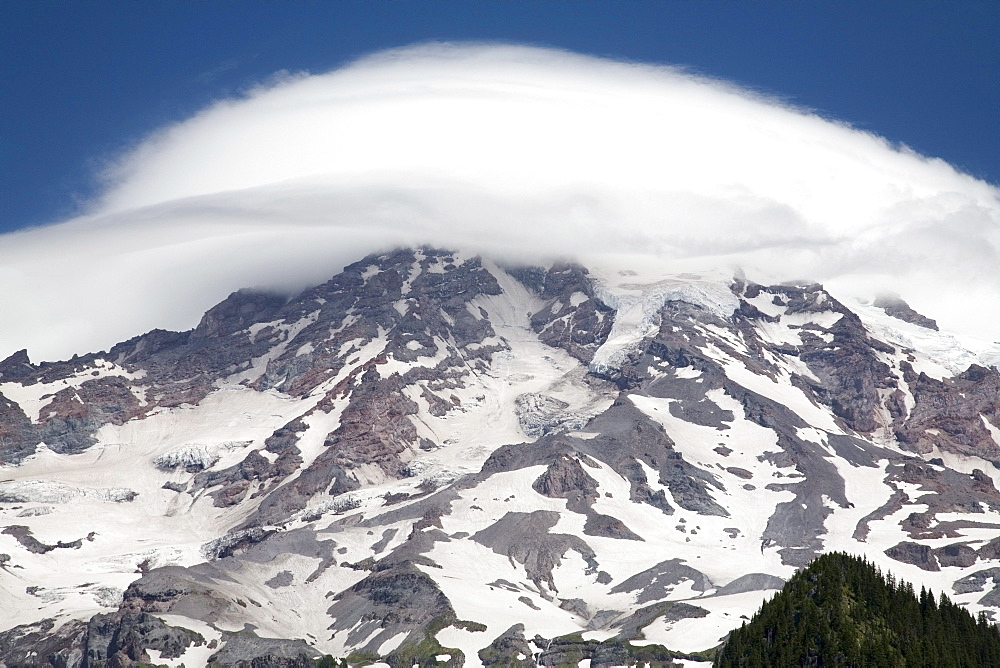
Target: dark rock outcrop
[
  {"x": 396, "y": 598},
  {"x": 18, "y": 436},
  {"x": 121, "y": 638},
  {"x": 508, "y": 649},
  {"x": 246, "y": 649},
  {"x": 919, "y": 555},
  {"x": 899, "y": 309},
  {"x": 573, "y": 318},
  {"x": 949, "y": 413},
  {"x": 525, "y": 538}
]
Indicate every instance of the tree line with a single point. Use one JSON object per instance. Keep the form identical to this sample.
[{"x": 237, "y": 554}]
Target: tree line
[{"x": 843, "y": 611}]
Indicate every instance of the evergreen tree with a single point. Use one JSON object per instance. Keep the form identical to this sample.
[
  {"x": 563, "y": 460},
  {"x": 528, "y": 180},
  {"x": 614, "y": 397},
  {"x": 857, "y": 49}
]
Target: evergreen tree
[{"x": 841, "y": 611}]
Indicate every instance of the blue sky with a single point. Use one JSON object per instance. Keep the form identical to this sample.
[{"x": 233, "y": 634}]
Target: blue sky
[{"x": 83, "y": 81}]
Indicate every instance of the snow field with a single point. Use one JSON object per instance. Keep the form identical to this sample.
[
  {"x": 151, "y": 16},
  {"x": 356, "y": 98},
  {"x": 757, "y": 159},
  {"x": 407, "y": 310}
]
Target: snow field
[
  {"x": 464, "y": 562},
  {"x": 696, "y": 634},
  {"x": 296, "y": 611},
  {"x": 886, "y": 533},
  {"x": 486, "y": 417},
  {"x": 469, "y": 569},
  {"x": 470, "y": 642},
  {"x": 783, "y": 393},
  {"x": 159, "y": 527},
  {"x": 749, "y": 510},
  {"x": 968, "y": 464}
]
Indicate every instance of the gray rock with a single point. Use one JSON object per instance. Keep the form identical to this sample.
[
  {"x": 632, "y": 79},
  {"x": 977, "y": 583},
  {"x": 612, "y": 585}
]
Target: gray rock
[
  {"x": 657, "y": 582},
  {"x": 631, "y": 627},
  {"x": 959, "y": 554},
  {"x": 395, "y": 598},
  {"x": 913, "y": 553},
  {"x": 509, "y": 649},
  {"x": 579, "y": 330},
  {"x": 525, "y": 538},
  {"x": 245, "y": 649},
  {"x": 899, "y": 309},
  {"x": 122, "y": 637},
  {"x": 750, "y": 582},
  {"x": 282, "y": 579}
]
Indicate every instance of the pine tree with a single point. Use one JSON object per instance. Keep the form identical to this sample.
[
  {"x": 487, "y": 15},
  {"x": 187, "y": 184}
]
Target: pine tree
[{"x": 842, "y": 611}]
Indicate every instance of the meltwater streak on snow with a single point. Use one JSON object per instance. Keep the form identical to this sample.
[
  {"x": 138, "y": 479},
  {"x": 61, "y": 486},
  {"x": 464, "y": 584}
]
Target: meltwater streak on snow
[{"x": 501, "y": 149}]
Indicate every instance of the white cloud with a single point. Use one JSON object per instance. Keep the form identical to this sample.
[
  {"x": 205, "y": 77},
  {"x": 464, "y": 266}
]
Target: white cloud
[{"x": 506, "y": 149}]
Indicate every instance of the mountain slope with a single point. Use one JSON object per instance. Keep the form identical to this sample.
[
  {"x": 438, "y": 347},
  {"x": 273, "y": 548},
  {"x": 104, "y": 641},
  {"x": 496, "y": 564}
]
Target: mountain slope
[{"x": 435, "y": 455}]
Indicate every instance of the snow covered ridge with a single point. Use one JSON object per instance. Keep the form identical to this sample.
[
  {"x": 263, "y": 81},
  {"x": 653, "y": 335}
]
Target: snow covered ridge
[{"x": 434, "y": 456}]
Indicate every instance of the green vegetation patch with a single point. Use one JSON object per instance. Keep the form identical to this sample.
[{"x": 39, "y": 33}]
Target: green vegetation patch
[
  {"x": 842, "y": 611},
  {"x": 425, "y": 652}
]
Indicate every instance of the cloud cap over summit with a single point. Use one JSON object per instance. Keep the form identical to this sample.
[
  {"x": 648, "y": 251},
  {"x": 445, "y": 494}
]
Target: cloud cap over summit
[{"x": 513, "y": 150}]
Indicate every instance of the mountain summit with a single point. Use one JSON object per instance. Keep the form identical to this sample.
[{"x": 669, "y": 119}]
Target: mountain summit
[{"x": 436, "y": 458}]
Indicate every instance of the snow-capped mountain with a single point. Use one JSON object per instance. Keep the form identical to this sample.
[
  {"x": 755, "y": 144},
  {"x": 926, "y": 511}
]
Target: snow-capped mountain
[{"x": 434, "y": 457}]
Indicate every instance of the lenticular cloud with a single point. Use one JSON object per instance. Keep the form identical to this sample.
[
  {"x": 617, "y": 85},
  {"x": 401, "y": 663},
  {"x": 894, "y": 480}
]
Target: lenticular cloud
[{"x": 519, "y": 151}]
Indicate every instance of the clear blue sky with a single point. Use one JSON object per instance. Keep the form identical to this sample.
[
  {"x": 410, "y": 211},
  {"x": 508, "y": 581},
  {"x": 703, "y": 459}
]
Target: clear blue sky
[{"x": 81, "y": 81}]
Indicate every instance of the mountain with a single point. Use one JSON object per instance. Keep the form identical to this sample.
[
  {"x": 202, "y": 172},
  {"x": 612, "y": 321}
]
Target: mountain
[
  {"x": 842, "y": 611},
  {"x": 436, "y": 458}
]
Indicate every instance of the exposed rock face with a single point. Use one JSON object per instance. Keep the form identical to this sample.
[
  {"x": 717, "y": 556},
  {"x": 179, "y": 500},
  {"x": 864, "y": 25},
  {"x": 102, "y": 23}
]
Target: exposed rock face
[
  {"x": 978, "y": 582},
  {"x": 16, "y": 367},
  {"x": 397, "y": 599},
  {"x": 573, "y": 318},
  {"x": 45, "y": 644},
  {"x": 953, "y": 414},
  {"x": 121, "y": 638},
  {"x": 847, "y": 372},
  {"x": 23, "y": 536},
  {"x": 566, "y": 479},
  {"x": 654, "y": 584},
  {"x": 751, "y": 582},
  {"x": 509, "y": 649},
  {"x": 916, "y": 554},
  {"x": 943, "y": 491},
  {"x": 627, "y": 437},
  {"x": 238, "y": 311},
  {"x": 245, "y": 649},
  {"x": 631, "y": 627},
  {"x": 618, "y": 651},
  {"x": 162, "y": 589},
  {"x": 959, "y": 555},
  {"x": 18, "y": 436},
  {"x": 401, "y": 462},
  {"x": 68, "y": 422},
  {"x": 899, "y": 309},
  {"x": 526, "y": 539}
]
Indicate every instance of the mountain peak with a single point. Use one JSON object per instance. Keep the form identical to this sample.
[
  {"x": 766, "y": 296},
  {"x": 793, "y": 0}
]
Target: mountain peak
[{"x": 479, "y": 460}]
